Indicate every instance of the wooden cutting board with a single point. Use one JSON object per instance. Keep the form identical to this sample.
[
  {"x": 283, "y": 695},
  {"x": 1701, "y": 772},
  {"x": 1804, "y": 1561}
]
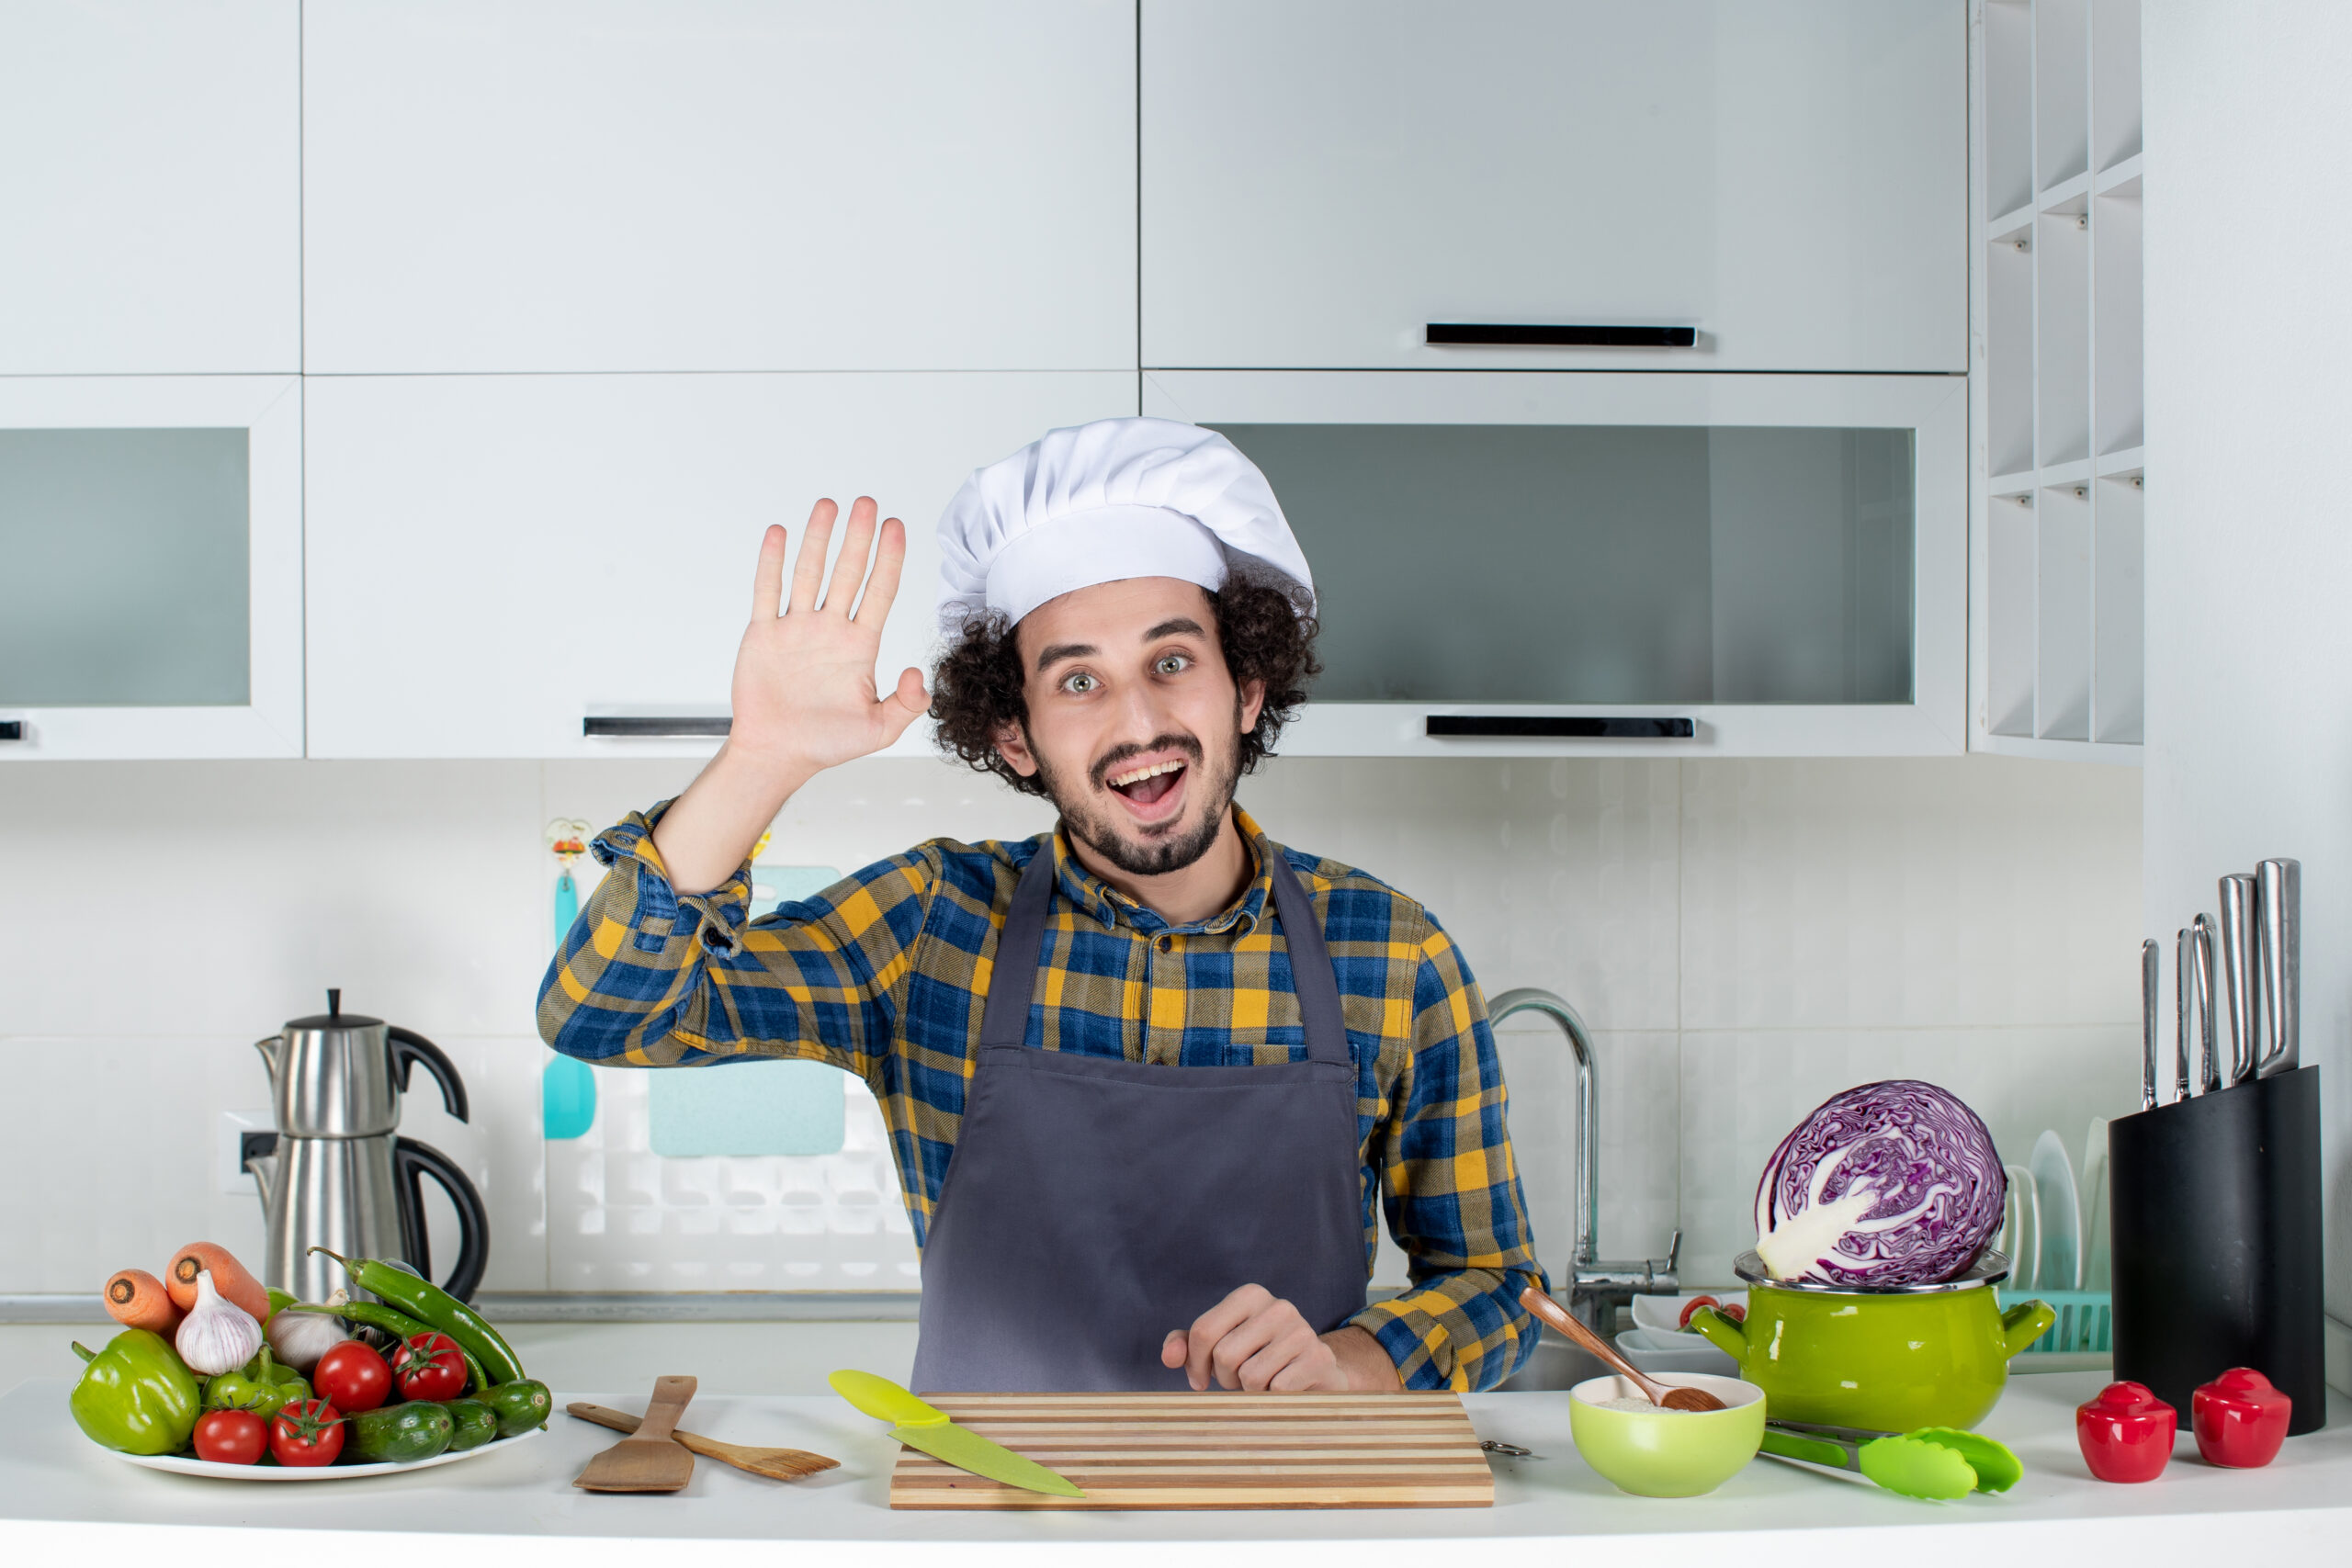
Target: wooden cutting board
[{"x": 1215, "y": 1451}]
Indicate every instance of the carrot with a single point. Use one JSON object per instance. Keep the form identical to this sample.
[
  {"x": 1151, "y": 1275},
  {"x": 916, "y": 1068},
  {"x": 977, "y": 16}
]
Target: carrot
[
  {"x": 136, "y": 1299},
  {"x": 229, "y": 1277}
]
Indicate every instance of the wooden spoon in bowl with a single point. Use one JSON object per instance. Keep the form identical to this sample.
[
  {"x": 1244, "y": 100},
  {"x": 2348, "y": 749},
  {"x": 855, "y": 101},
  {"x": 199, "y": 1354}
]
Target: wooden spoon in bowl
[{"x": 1666, "y": 1395}]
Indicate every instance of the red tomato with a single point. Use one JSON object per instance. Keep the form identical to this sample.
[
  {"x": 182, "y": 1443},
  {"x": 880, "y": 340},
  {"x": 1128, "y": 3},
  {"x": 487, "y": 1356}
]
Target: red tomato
[
  {"x": 1693, "y": 1304},
  {"x": 310, "y": 1433},
  {"x": 232, "y": 1437},
  {"x": 430, "y": 1366},
  {"x": 1734, "y": 1311},
  {"x": 352, "y": 1377}
]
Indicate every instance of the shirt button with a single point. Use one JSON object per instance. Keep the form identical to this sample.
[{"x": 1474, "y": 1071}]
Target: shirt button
[{"x": 1166, "y": 942}]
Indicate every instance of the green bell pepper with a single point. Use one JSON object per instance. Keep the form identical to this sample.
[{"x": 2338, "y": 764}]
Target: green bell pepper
[
  {"x": 262, "y": 1385},
  {"x": 136, "y": 1396}
]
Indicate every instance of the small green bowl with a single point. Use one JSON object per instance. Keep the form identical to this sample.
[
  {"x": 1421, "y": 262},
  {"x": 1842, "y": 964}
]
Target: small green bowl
[{"x": 1668, "y": 1453}]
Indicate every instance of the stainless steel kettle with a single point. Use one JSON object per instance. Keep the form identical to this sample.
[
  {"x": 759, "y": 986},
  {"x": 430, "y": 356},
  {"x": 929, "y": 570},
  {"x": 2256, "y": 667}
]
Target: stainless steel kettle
[{"x": 338, "y": 1174}]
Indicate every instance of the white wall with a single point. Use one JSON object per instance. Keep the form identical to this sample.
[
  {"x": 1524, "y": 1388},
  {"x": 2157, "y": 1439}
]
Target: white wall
[
  {"x": 1745, "y": 938},
  {"x": 2249, "y": 749}
]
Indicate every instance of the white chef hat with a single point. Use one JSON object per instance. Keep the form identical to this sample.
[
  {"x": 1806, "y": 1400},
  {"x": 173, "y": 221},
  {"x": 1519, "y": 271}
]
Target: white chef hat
[{"x": 1116, "y": 499}]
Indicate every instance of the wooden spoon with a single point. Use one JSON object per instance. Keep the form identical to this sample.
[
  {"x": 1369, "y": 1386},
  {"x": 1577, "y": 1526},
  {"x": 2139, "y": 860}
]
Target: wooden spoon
[
  {"x": 647, "y": 1461},
  {"x": 1666, "y": 1395},
  {"x": 778, "y": 1464}
]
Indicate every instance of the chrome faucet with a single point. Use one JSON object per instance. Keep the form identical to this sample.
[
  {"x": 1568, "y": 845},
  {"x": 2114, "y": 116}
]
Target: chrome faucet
[{"x": 1595, "y": 1289}]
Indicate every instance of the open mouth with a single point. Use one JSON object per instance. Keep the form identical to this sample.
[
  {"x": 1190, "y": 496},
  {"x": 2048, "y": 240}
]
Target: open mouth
[{"x": 1150, "y": 790}]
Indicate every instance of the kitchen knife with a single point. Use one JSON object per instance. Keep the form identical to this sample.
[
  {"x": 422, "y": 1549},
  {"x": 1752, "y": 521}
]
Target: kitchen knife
[
  {"x": 2184, "y": 964},
  {"x": 2238, "y": 980},
  {"x": 2150, "y": 972},
  {"x": 919, "y": 1426},
  {"x": 2200, "y": 939},
  {"x": 2279, "y": 921}
]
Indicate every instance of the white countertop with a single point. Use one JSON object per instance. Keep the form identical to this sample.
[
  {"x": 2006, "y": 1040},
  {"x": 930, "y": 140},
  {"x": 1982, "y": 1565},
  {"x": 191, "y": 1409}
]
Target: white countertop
[{"x": 62, "y": 1498}]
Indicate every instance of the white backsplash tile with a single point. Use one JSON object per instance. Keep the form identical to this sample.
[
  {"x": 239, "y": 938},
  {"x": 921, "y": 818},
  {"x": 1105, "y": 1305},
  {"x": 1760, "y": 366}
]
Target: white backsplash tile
[{"x": 1743, "y": 938}]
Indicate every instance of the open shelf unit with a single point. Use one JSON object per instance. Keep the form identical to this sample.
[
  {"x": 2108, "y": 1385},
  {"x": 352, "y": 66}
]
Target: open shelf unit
[{"x": 2059, "y": 472}]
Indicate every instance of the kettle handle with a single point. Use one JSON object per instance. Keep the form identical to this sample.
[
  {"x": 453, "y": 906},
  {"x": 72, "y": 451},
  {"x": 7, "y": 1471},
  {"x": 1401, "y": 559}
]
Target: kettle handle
[
  {"x": 409, "y": 1048},
  {"x": 412, "y": 1161}
]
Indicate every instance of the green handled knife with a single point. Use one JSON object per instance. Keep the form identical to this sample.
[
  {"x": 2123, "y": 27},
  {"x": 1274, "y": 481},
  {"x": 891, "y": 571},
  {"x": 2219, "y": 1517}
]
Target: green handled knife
[{"x": 919, "y": 1426}]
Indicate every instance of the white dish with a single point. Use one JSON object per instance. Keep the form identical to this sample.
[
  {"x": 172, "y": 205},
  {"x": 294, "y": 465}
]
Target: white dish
[
  {"x": 1651, "y": 1353},
  {"x": 2098, "y": 1263},
  {"x": 1663, "y": 1314},
  {"x": 2061, "y": 1265},
  {"x": 181, "y": 1464}
]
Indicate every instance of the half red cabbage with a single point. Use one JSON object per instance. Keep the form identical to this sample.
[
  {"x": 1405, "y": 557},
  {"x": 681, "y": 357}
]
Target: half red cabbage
[{"x": 1894, "y": 1183}]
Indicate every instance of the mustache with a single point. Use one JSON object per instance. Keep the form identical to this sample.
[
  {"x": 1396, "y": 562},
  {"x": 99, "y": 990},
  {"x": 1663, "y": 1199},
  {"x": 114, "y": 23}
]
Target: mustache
[{"x": 1100, "y": 773}]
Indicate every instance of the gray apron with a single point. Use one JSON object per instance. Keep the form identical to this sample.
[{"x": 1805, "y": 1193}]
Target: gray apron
[{"x": 1093, "y": 1204}]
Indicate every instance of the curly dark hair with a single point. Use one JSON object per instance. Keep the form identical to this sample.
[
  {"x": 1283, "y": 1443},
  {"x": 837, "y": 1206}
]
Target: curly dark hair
[{"x": 976, "y": 688}]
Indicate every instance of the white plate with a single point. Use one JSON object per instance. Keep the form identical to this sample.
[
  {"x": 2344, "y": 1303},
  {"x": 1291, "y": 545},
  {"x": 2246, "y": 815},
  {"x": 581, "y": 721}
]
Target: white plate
[
  {"x": 2060, "y": 1266},
  {"x": 180, "y": 1464},
  {"x": 1663, "y": 1314}
]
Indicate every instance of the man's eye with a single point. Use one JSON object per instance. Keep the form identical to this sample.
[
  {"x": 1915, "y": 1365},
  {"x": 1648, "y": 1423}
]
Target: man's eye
[
  {"x": 1174, "y": 664},
  {"x": 1081, "y": 683}
]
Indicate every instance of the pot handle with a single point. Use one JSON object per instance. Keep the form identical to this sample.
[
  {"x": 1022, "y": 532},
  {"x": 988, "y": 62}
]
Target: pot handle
[
  {"x": 2025, "y": 1323},
  {"x": 1727, "y": 1335}
]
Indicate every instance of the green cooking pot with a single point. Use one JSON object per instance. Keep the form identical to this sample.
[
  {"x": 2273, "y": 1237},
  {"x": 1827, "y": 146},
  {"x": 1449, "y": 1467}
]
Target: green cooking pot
[{"x": 1890, "y": 1360}]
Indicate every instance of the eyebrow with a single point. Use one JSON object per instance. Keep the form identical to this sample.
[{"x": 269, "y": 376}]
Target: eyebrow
[{"x": 1053, "y": 653}]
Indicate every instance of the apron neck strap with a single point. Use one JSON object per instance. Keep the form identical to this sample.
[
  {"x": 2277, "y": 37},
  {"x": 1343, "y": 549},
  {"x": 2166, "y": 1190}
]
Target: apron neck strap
[{"x": 1005, "y": 1019}]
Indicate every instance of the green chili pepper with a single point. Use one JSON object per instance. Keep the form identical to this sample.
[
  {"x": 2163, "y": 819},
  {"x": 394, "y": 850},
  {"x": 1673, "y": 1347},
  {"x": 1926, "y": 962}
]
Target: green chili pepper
[
  {"x": 439, "y": 1309},
  {"x": 136, "y": 1395},
  {"x": 262, "y": 1385}
]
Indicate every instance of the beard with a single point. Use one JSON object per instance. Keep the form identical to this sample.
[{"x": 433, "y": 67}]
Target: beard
[{"x": 1170, "y": 848}]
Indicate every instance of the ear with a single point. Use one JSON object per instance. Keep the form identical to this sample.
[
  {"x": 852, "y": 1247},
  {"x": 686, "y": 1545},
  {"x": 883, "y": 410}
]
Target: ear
[
  {"x": 1253, "y": 699},
  {"x": 1014, "y": 747}
]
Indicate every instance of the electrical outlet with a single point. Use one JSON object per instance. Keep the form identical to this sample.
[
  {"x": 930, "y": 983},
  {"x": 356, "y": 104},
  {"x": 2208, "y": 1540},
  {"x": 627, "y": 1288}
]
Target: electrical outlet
[{"x": 229, "y": 1146}]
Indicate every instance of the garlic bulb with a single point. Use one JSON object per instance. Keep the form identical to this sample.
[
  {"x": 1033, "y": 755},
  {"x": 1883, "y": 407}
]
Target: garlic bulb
[
  {"x": 218, "y": 1336},
  {"x": 301, "y": 1336}
]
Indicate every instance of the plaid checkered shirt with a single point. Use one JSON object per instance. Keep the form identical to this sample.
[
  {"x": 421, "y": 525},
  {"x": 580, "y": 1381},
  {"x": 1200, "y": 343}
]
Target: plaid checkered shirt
[{"x": 885, "y": 974}]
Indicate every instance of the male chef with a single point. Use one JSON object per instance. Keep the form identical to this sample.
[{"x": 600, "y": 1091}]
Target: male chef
[{"x": 1148, "y": 1076}]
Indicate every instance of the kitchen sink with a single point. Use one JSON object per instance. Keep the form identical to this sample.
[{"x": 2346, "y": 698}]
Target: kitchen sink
[{"x": 1556, "y": 1364}]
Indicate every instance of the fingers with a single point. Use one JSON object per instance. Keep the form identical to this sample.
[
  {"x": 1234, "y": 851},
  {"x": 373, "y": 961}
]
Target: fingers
[
  {"x": 767, "y": 579},
  {"x": 1171, "y": 1350},
  {"x": 1261, "y": 1334},
  {"x": 904, "y": 706},
  {"x": 808, "y": 570},
  {"x": 883, "y": 586},
  {"x": 1214, "y": 1324},
  {"x": 849, "y": 567}
]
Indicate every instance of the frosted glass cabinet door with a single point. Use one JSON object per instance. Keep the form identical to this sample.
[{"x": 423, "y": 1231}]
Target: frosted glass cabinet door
[
  {"x": 1324, "y": 178},
  {"x": 1779, "y": 562},
  {"x": 150, "y": 187},
  {"x": 718, "y": 185},
  {"x": 151, "y": 550},
  {"x": 496, "y": 559}
]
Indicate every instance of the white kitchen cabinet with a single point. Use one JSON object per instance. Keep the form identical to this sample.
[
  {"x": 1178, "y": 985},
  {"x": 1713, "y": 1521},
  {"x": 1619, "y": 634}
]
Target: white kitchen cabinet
[
  {"x": 1604, "y": 563},
  {"x": 1323, "y": 179},
  {"x": 718, "y": 185},
  {"x": 493, "y": 560},
  {"x": 150, "y": 187},
  {"x": 151, "y": 550}
]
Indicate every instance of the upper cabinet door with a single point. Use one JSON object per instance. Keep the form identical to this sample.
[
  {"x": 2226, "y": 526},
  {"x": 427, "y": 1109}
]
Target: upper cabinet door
[
  {"x": 719, "y": 185},
  {"x": 150, "y": 187},
  {"x": 1323, "y": 179}
]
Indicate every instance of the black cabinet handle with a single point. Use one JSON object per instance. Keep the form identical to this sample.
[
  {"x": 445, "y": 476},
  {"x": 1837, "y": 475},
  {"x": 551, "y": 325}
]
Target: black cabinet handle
[
  {"x": 1510, "y": 334},
  {"x": 644, "y": 726},
  {"x": 12, "y": 729},
  {"x": 1544, "y": 727}
]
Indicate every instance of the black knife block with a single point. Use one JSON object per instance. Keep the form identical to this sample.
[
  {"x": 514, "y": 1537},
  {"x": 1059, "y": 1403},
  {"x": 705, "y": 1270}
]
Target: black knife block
[{"x": 2215, "y": 1212}]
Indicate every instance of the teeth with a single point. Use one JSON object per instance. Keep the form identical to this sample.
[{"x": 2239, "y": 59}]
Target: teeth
[{"x": 1121, "y": 781}]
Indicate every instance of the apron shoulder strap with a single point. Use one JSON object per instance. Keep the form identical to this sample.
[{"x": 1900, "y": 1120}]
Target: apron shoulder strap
[
  {"x": 1005, "y": 1020},
  {"x": 1310, "y": 965}
]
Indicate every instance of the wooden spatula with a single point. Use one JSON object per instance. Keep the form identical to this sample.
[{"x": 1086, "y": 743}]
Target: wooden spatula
[
  {"x": 778, "y": 1464},
  {"x": 647, "y": 1461},
  {"x": 1669, "y": 1395}
]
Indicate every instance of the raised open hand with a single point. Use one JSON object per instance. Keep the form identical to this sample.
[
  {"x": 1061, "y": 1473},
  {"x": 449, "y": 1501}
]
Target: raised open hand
[{"x": 804, "y": 695}]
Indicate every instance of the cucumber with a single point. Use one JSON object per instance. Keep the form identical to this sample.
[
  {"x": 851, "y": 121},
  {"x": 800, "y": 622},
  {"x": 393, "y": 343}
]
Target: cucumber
[
  {"x": 400, "y": 1434},
  {"x": 521, "y": 1406},
  {"x": 476, "y": 1422}
]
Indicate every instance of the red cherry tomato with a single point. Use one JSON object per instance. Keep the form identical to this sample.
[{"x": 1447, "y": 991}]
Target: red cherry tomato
[
  {"x": 430, "y": 1366},
  {"x": 2125, "y": 1432},
  {"x": 310, "y": 1433},
  {"x": 1734, "y": 1311},
  {"x": 352, "y": 1377},
  {"x": 232, "y": 1437},
  {"x": 2240, "y": 1419},
  {"x": 1692, "y": 1305}
]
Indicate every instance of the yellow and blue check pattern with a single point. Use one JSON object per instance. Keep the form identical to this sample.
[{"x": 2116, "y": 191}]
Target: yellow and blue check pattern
[{"x": 885, "y": 974}]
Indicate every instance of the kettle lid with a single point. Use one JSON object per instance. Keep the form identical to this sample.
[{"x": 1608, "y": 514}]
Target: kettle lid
[{"x": 335, "y": 1017}]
